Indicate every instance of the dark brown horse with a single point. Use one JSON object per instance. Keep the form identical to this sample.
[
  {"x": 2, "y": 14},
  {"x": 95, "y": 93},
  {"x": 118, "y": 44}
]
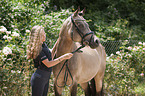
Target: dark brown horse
[{"x": 85, "y": 66}]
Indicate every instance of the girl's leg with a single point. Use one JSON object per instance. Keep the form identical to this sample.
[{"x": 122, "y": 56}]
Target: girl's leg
[
  {"x": 37, "y": 84},
  {"x": 46, "y": 85},
  {"x": 40, "y": 82}
]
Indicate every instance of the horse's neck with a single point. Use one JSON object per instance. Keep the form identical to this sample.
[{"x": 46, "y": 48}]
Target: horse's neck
[
  {"x": 64, "y": 46},
  {"x": 65, "y": 43}
]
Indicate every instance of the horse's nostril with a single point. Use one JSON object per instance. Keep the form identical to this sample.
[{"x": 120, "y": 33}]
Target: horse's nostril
[{"x": 97, "y": 41}]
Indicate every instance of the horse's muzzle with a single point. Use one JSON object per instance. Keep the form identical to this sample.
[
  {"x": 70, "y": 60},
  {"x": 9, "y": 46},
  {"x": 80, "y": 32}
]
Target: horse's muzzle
[{"x": 94, "y": 43}]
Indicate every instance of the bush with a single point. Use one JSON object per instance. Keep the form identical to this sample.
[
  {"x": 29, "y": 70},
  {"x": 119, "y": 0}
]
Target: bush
[
  {"x": 18, "y": 17},
  {"x": 15, "y": 69},
  {"x": 125, "y": 69},
  {"x": 131, "y": 10}
]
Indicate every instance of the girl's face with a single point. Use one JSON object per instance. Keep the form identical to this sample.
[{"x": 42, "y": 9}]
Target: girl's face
[{"x": 43, "y": 36}]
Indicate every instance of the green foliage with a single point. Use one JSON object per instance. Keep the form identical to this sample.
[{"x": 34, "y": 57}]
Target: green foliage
[
  {"x": 5, "y": 13},
  {"x": 140, "y": 89},
  {"x": 14, "y": 66},
  {"x": 108, "y": 12},
  {"x": 125, "y": 69},
  {"x": 52, "y": 23},
  {"x": 16, "y": 70},
  {"x": 118, "y": 29}
]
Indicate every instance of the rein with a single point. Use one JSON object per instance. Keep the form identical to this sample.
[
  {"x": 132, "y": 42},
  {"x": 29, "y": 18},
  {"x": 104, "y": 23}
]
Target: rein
[{"x": 67, "y": 70}]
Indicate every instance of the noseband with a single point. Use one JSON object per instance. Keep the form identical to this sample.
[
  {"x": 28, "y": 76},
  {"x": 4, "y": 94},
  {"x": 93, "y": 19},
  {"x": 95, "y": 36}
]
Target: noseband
[{"x": 81, "y": 33}]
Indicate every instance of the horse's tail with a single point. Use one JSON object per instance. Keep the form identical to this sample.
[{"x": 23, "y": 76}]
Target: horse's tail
[{"x": 93, "y": 88}]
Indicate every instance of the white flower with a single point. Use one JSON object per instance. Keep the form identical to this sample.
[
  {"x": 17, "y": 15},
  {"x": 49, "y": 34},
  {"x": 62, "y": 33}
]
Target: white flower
[
  {"x": 129, "y": 48},
  {"x": 16, "y": 30},
  {"x": 126, "y": 40},
  {"x": 12, "y": 71},
  {"x": 5, "y": 36},
  {"x": 27, "y": 31},
  {"x": 18, "y": 71},
  {"x": 13, "y": 26},
  {"x": 118, "y": 52},
  {"x": 15, "y": 34},
  {"x": 144, "y": 44},
  {"x": 9, "y": 38},
  {"x": 140, "y": 43},
  {"x": 135, "y": 48},
  {"x": 129, "y": 55},
  {"x": 7, "y": 51},
  {"x": 3, "y": 29},
  {"x": 143, "y": 49},
  {"x": 107, "y": 58},
  {"x": 141, "y": 74},
  {"x": 111, "y": 55},
  {"x": 8, "y": 32},
  {"x": 67, "y": 11}
]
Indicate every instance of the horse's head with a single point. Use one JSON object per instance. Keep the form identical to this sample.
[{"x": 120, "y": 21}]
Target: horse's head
[
  {"x": 77, "y": 29},
  {"x": 80, "y": 31}
]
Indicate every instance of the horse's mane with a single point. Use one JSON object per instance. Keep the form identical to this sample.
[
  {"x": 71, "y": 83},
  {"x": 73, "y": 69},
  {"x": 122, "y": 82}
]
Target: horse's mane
[
  {"x": 62, "y": 33},
  {"x": 64, "y": 27}
]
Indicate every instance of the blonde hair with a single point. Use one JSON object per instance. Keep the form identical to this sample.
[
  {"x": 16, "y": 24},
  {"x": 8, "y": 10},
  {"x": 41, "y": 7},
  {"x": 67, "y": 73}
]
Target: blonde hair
[{"x": 35, "y": 42}]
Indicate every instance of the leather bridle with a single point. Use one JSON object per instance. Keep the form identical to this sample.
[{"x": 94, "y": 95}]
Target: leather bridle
[{"x": 82, "y": 35}]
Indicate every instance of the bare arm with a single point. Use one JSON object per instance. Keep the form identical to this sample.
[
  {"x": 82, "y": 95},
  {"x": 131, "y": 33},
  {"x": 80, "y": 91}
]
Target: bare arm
[{"x": 57, "y": 60}]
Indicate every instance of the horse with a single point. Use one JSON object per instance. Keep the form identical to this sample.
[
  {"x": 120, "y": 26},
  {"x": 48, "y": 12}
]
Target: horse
[{"x": 87, "y": 65}]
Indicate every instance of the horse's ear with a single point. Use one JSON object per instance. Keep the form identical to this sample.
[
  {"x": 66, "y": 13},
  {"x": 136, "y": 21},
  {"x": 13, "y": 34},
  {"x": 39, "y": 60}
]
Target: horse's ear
[
  {"x": 76, "y": 12},
  {"x": 83, "y": 11}
]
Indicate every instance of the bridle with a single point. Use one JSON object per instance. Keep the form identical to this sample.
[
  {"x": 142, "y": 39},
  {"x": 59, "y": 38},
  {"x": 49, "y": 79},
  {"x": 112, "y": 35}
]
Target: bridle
[
  {"x": 67, "y": 70},
  {"x": 80, "y": 32}
]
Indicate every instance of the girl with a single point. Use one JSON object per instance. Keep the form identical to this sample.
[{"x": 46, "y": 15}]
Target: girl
[{"x": 41, "y": 55}]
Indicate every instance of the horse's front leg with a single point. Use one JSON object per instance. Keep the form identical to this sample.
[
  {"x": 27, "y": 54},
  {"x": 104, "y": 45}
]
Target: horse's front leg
[
  {"x": 86, "y": 88},
  {"x": 99, "y": 86},
  {"x": 58, "y": 90},
  {"x": 73, "y": 89}
]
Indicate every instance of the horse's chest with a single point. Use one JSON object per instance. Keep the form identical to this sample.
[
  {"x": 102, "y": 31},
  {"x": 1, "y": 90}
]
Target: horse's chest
[
  {"x": 90, "y": 57},
  {"x": 88, "y": 63}
]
